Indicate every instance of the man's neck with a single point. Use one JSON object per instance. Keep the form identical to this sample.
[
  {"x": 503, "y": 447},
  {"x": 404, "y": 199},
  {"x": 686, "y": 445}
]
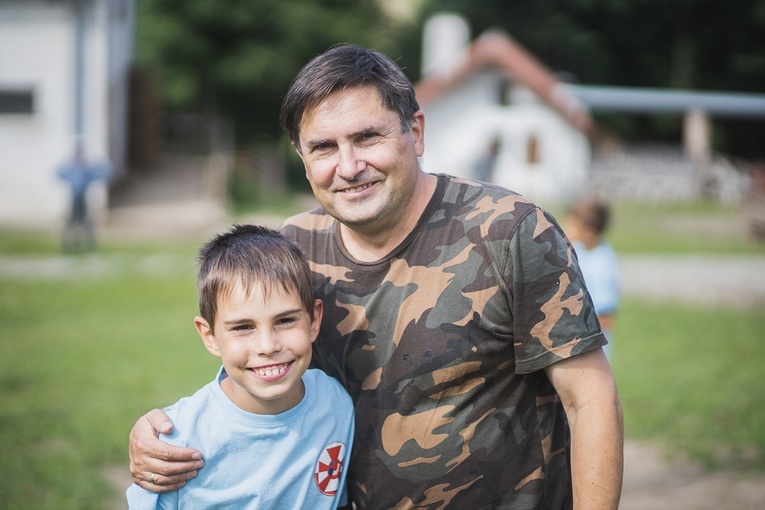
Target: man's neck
[{"x": 367, "y": 246}]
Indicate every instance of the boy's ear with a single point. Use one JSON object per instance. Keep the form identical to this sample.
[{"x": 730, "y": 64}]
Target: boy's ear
[
  {"x": 208, "y": 338},
  {"x": 318, "y": 311}
]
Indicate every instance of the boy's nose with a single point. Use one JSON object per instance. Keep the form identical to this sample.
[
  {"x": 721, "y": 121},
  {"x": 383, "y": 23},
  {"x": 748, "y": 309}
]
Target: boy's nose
[{"x": 267, "y": 344}]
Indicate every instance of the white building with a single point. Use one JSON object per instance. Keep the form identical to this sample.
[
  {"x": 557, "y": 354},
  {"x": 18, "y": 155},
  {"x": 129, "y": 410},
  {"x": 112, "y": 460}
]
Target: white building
[
  {"x": 64, "y": 74},
  {"x": 492, "y": 89}
]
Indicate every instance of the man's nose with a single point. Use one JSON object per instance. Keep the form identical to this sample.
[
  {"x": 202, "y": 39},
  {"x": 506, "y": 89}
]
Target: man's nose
[{"x": 349, "y": 164}]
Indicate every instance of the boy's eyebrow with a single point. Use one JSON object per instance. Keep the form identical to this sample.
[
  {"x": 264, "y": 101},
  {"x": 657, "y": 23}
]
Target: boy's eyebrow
[{"x": 245, "y": 320}]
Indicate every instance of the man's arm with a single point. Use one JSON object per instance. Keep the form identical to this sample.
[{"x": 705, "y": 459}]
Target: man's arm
[
  {"x": 587, "y": 390},
  {"x": 155, "y": 465}
]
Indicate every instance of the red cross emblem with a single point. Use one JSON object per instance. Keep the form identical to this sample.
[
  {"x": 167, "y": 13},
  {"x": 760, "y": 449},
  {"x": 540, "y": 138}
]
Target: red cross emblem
[{"x": 329, "y": 467}]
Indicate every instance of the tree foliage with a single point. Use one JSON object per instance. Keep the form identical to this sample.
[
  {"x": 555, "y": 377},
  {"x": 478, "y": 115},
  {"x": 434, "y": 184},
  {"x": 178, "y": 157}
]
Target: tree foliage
[{"x": 236, "y": 58}]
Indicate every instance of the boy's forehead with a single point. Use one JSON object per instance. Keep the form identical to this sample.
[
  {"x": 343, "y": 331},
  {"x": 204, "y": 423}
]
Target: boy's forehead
[{"x": 241, "y": 288}]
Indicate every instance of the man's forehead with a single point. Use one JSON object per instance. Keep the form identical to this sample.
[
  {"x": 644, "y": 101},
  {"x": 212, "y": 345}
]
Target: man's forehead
[
  {"x": 333, "y": 117},
  {"x": 329, "y": 102}
]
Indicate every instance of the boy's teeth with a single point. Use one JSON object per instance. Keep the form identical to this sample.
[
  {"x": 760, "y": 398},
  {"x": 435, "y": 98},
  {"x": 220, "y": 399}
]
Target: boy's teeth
[{"x": 271, "y": 371}]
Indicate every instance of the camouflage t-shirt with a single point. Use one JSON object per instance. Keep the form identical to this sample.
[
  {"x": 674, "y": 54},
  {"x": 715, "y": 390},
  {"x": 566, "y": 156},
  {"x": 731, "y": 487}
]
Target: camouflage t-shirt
[{"x": 442, "y": 345}]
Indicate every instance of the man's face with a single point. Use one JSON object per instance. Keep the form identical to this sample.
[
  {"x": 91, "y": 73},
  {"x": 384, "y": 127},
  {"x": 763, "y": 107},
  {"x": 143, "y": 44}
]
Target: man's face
[{"x": 362, "y": 167}]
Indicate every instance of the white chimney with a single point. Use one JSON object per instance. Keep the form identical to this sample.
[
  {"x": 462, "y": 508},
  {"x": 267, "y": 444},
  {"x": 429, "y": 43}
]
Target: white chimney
[
  {"x": 445, "y": 38},
  {"x": 696, "y": 136}
]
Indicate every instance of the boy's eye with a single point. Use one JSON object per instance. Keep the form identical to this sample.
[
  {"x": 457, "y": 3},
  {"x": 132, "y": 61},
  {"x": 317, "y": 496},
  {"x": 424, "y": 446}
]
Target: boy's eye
[{"x": 242, "y": 327}]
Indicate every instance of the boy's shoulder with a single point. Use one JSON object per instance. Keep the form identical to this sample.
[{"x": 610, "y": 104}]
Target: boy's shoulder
[
  {"x": 324, "y": 388},
  {"x": 325, "y": 383},
  {"x": 189, "y": 414}
]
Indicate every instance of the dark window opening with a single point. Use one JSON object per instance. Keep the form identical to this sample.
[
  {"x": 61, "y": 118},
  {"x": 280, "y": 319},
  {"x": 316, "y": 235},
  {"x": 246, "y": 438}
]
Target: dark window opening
[
  {"x": 504, "y": 92},
  {"x": 16, "y": 101}
]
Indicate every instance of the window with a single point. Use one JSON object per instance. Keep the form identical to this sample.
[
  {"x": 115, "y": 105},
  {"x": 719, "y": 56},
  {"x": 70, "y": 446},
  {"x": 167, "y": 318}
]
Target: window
[
  {"x": 16, "y": 101},
  {"x": 532, "y": 150}
]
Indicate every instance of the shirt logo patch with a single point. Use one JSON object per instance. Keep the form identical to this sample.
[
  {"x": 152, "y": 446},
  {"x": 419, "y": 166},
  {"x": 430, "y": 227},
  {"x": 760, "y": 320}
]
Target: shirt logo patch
[{"x": 329, "y": 467}]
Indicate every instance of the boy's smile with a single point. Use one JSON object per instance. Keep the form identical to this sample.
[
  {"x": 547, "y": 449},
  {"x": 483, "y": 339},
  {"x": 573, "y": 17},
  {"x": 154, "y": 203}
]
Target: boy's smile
[{"x": 264, "y": 340}]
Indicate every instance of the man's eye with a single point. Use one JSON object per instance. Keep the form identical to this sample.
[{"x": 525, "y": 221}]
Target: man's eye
[{"x": 322, "y": 147}]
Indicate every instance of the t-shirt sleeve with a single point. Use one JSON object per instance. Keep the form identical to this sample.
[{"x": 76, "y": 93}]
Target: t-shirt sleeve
[
  {"x": 553, "y": 315},
  {"x": 141, "y": 499}
]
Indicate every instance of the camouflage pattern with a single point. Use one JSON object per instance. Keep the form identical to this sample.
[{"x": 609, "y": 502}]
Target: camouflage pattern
[{"x": 442, "y": 345}]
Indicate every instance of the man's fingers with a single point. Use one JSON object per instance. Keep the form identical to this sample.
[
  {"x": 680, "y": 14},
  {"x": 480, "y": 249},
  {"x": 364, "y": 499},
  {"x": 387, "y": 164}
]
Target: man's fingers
[
  {"x": 178, "y": 458},
  {"x": 160, "y": 483},
  {"x": 159, "y": 421},
  {"x": 169, "y": 465}
]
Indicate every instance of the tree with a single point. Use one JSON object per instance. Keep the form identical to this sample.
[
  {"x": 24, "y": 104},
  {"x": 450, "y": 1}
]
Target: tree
[{"x": 236, "y": 58}]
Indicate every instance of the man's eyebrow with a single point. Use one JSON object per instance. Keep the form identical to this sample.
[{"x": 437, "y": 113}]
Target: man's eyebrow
[
  {"x": 310, "y": 144},
  {"x": 323, "y": 141}
]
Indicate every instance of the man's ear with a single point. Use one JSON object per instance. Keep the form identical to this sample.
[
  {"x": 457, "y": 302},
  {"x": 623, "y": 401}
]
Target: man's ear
[
  {"x": 418, "y": 132},
  {"x": 207, "y": 335},
  {"x": 296, "y": 146}
]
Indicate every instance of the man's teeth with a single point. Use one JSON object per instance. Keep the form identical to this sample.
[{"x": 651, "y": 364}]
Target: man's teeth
[
  {"x": 271, "y": 371},
  {"x": 357, "y": 189}
]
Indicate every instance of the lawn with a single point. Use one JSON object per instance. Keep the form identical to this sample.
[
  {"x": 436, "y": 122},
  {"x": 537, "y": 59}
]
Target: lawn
[
  {"x": 81, "y": 358},
  {"x": 691, "y": 379},
  {"x": 90, "y": 343}
]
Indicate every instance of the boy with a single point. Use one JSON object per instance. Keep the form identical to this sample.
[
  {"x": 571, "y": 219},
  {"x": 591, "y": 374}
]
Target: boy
[
  {"x": 273, "y": 434},
  {"x": 585, "y": 225}
]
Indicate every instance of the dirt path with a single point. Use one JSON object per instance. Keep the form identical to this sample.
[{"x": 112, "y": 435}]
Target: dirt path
[{"x": 652, "y": 482}]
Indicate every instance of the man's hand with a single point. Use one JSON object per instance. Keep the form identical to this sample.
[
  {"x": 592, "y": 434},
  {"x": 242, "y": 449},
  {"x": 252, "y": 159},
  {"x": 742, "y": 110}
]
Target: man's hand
[{"x": 155, "y": 465}]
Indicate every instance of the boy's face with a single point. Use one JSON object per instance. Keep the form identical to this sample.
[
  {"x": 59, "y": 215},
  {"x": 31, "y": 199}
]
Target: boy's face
[{"x": 265, "y": 346}]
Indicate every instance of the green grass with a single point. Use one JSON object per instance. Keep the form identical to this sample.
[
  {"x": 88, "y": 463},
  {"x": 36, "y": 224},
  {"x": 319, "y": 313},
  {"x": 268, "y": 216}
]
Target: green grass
[
  {"x": 84, "y": 354},
  {"x": 692, "y": 378},
  {"x": 80, "y": 360},
  {"x": 681, "y": 228},
  {"x": 677, "y": 228}
]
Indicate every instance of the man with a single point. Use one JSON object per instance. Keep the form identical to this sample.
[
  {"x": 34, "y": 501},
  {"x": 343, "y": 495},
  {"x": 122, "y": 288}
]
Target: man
[{"x": 455, "y": 315}]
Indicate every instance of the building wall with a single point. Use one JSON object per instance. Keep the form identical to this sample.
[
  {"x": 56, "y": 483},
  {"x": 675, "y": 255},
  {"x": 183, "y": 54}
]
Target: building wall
[
  {"x": 36, "y": 45},
  {"x": 460, "y": 125},
  {"x": 37, "y": 51}
]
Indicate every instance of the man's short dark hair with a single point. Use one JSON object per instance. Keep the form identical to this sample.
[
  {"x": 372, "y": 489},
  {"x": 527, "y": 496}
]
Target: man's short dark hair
[{"x": 342, "y": 67}]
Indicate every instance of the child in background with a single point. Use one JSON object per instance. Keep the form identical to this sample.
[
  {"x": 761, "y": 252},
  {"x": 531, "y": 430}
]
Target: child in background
[
  {"x": 585, "y": 225},
  {"x": 273, "y": 434}
]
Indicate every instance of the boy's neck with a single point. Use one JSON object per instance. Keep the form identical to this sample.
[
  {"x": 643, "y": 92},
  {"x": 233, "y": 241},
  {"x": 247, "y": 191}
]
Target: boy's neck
[{"x": 254, "y": 405}]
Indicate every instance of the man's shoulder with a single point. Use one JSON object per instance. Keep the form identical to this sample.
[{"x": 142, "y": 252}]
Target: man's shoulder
[
  {"x": 315, "y": 219},
  {"x": 481, "y": 205}
]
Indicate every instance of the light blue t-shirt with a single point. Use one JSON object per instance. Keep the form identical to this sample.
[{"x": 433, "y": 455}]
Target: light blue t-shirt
[
  {"x": 600, "y": 268},
  {"x": 295, "y": 459}
]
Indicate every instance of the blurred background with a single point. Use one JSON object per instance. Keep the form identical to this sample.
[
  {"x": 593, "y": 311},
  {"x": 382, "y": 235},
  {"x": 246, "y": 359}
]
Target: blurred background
[{"x": 130, "y": 130}]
